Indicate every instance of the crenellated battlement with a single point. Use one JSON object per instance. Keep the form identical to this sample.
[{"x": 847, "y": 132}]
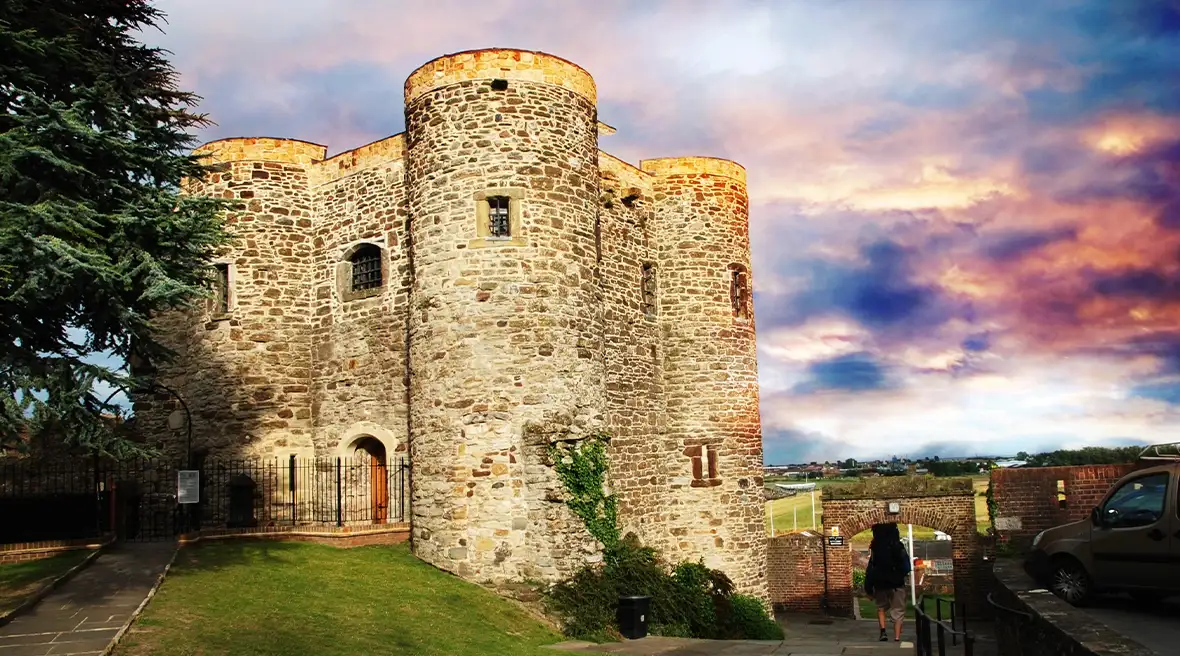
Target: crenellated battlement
[{"x": 443, "y": 292}]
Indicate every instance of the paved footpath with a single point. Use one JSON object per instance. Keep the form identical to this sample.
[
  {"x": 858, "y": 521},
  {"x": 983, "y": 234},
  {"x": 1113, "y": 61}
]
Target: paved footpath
[
  {"x": 804, "y": 636},
  {"x": 85, "y": 614}
]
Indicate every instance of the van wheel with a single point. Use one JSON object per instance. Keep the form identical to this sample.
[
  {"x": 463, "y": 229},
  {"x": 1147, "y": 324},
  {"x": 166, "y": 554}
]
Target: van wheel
[{"x": 1070, "y": 581}]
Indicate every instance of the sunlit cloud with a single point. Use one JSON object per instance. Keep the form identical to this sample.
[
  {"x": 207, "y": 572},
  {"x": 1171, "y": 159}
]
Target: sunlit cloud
[{"x": 965, "y": 217}]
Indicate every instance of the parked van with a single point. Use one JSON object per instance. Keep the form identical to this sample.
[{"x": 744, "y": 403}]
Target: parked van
[{"x": 1130, "y": 542}]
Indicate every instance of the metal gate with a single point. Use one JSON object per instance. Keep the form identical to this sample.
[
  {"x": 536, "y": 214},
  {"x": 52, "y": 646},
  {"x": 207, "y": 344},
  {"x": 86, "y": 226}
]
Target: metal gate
[{"x": 136, "y": 499}]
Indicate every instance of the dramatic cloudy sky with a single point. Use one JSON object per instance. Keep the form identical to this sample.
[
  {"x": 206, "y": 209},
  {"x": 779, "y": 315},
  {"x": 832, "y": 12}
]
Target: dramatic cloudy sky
[{"x": 965, "y": 215}]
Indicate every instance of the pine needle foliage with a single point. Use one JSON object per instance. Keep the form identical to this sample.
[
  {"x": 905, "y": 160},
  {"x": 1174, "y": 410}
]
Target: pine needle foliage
[{"x": 96, "y": 237}]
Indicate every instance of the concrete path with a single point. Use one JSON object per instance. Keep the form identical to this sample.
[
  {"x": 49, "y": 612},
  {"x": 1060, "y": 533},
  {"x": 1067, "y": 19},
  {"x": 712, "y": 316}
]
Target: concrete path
[
  {"x": 85, "y": 614},
  {"x": 804, "y": 636}
]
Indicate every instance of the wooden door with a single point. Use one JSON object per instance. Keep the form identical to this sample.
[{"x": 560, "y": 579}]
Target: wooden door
[{"x": 378, "y": 479}]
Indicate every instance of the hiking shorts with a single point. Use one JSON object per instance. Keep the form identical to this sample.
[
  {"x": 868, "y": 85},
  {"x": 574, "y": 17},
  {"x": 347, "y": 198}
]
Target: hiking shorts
[{"x": 892, "y": 601}]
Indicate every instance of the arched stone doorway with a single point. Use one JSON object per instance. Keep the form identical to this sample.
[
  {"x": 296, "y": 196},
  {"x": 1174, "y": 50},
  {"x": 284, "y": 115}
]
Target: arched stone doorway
[
  {"x": 368, "y": 446},
  {"x": 371, "y": 452},
  {"x": 945, "y": 504}
]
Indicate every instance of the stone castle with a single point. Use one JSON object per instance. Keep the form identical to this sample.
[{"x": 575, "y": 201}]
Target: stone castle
[{"x": 473, "y": 290}]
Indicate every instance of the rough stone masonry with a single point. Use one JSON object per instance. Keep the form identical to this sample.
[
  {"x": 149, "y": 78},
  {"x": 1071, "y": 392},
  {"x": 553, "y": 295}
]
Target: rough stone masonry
[{"x": 471, "y": 291}]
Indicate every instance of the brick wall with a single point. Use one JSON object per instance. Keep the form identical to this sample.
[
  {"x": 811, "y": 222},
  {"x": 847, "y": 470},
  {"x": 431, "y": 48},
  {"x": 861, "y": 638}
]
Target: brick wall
[
  {"x": 26, "y": 551},
  {"x": 795, "y": 572},
  {"x": 1027, "y": 499},
  {"x": 344, "y": 538},
  {"x": 947, "y": 505}
]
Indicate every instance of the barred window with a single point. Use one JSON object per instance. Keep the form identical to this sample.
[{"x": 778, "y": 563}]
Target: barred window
[
  {"x": 739, "y": 291},
  {"x": 366, "y": 267},
  {"x": 649, "y": 289},
  {"x": 499, "y": 224},
  {"x": 221, "y": 289}
]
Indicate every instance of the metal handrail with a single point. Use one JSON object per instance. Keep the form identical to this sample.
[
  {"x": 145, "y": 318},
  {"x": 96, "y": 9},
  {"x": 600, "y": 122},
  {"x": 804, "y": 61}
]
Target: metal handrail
[
  {"x": 1154, "y": 449},
  {"x": 923, "y": 623},
  {"x": 1005, "y": 608}
]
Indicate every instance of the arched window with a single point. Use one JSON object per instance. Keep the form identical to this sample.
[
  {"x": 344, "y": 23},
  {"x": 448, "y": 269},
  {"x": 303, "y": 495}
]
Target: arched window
[{"x": 366, "y": 268}]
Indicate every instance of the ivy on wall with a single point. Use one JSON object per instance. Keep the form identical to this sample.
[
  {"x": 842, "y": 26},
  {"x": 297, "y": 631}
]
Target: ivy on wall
[{"x": 582, "y": 471}]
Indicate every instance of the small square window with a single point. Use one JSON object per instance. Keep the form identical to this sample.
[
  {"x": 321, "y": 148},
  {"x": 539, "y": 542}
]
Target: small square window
[{"x": 499, "y": 218}]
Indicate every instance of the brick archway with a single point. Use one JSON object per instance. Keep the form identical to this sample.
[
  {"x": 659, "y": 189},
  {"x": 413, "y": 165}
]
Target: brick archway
[{"x": 946, "y": 504}]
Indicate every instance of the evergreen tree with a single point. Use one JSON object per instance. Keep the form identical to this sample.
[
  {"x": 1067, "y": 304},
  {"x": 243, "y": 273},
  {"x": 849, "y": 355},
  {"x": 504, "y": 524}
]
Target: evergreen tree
[{"x": 95, "y": 235}]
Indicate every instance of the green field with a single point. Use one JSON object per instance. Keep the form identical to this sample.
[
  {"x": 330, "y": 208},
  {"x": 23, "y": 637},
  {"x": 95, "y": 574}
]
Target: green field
[
  {"x": 278, "y": 599},
  {"x": 794, "y": 513}
]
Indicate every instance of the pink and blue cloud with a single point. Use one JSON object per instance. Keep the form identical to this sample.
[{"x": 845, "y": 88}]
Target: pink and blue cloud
[{"x": 965, "y": 216}]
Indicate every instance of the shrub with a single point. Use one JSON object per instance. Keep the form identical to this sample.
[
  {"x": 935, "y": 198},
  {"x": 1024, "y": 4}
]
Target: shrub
[
  {"x": 688, "y": 600},
  {"x": 858, "y": 580},
  {"x": 748, "y": 619}
]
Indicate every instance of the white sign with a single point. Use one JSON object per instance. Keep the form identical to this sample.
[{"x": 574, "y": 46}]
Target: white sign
[
  {"x": 188, "y": 486},
  {"x": 894, "y": 507}
]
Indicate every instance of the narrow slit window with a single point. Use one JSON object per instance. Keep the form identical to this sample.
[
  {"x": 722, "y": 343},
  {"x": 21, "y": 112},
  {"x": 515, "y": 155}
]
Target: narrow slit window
[
  {"x": 221, "y": 289},
  {"x": 649, "y": 289},
  {"x": 499, "y": 223},
  {"x": 366, "y": 268},
  {"x": 739, "y": 292}
]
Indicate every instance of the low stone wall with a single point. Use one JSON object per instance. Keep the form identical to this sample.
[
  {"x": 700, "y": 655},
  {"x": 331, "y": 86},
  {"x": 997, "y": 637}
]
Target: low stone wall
[
  {"x": 795, "y": 572},
  {"x": 1031, "y": 621},
  {"x": 25, "y": 551},
  {"x": 345, "y": 537}
]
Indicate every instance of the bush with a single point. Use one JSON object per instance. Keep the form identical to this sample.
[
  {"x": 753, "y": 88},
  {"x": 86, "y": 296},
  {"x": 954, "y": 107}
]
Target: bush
[
  {"x": 748, "y": 619},
  {"x": 858, "y": 580},
  {"x": 689, "y": 600}
]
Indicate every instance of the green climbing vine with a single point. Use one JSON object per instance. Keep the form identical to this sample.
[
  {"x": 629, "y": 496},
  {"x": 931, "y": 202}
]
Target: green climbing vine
[{"x": 582, "y": 471}]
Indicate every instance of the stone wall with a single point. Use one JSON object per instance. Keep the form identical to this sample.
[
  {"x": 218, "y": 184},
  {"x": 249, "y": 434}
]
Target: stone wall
[
  {"x": 1030, "y": 500},
  {"x": 714, "y": 508},
  {"x": 609, "y": 307},
  {"x": 359, "y": 355},
  {"x": 947, "y": 505},
  {"x": 795, "y": 572},
  {"x": 1031, "y": 622},
  {"x": 641, "y": 450}
]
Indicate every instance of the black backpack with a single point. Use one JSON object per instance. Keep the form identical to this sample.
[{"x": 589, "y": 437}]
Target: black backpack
[{"x": 890, "y": 570}]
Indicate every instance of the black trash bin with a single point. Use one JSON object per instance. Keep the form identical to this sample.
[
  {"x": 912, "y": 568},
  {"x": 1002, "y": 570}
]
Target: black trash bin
[{"x": 632, "y": 616}]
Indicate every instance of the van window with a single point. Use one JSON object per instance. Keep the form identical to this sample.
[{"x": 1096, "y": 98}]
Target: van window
[{"x": 1138, "y": 502}]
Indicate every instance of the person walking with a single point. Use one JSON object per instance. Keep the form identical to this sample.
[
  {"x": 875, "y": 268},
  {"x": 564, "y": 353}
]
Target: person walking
[{"x": 885, "y": 576}]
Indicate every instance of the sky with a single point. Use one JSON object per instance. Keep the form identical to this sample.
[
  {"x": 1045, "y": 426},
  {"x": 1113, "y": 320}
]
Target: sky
[{"x": 964, "y": 216}]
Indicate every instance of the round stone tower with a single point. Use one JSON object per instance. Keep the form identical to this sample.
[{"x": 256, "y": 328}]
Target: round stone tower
[
  {"x": 505, "y": 331},
  {"x": 244, "y": 356},
  {"x": 710, "y": 366}
]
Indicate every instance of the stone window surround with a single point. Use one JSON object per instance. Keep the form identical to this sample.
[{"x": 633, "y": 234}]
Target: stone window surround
[
  {"x": 483, "y": 228},
  {"x": 705, "y": 466},
  {"x": 231, "y": 276},
  {"x": 344, "y": 290}
]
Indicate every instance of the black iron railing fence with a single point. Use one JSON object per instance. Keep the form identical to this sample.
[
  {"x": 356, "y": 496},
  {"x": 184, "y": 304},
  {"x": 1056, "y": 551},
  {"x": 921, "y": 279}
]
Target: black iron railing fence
[
  {"x": 934, "y": 633},
  {"x": 137, "y": 499}
]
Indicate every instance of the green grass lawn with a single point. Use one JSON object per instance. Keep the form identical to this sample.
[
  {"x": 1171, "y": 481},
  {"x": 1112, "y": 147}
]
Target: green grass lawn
[
  {"x": 277, "y": 598},
  {"x": 868, "y": 609},
  {"x": 795, "y": 512},
  {"x": 19, "y": 580}
]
